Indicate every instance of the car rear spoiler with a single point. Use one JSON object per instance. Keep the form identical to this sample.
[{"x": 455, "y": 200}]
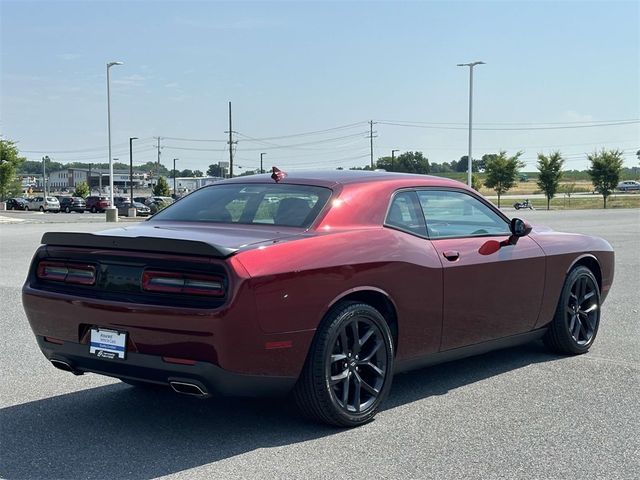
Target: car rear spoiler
[{"x": 146, "y": 244}]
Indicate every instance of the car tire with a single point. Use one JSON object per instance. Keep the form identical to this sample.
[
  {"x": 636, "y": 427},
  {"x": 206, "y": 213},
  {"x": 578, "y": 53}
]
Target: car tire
[
  {"x": 344, "y": 381},
  {"x": 42, "y": 209},
  {"x": 575, "y": 324},
  {"x": 67, "y": 210},
  {"x": 93, "y": 209}
]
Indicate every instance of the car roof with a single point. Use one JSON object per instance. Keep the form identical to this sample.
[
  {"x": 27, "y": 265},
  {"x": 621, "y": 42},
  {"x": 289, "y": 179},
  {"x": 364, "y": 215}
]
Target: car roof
[{"x": 329, "y": 178}]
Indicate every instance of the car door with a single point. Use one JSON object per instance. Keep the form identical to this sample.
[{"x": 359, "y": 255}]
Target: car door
[{"x": 486, "y": 296}]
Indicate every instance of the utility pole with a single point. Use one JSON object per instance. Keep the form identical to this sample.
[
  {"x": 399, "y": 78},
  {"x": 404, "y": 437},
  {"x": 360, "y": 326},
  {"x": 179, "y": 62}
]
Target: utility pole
[
  {"x": 175, "y": 195},
  {"x": 371, "y": 137},
  {"x": 44, "y": 175},
  {"x": 231, "y": 143},
  {"x": 261, "y": 169},
  {"x": 469, "y": 157},
  {"x": 158, "y": 164},
  {"x": 393, "y": 156},
  {"x": 131, "y": 139},
  {"x": 89, "y": 179}
]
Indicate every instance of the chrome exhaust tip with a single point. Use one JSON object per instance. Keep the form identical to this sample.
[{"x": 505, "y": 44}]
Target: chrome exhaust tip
[
  {"x": 188, "y": 389},
  {"x": 64, "y": 366}
]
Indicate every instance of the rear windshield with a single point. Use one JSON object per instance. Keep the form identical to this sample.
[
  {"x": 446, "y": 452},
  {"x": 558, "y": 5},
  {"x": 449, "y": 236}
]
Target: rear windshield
[{"x": 270, "y": 204}]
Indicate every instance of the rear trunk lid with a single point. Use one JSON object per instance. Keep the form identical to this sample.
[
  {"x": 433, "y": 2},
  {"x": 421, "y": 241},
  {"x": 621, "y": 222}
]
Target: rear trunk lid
[{"x": 217, "y": 241}]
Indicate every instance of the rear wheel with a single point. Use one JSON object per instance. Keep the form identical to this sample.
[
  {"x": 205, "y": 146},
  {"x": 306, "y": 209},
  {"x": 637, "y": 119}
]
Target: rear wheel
[
  {"x": 93, "y": 209},
  {"x": 42, "y": 209},
  {"x": 67, "y": 210},
  {"x": 349, "y": 368},
  {"x": 575, "y": 324}
]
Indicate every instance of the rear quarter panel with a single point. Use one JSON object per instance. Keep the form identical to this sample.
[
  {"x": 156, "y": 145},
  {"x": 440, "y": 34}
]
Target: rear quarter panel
[
  {"x": 295, "y": 283},
  {"x": 563, "y": 251}
]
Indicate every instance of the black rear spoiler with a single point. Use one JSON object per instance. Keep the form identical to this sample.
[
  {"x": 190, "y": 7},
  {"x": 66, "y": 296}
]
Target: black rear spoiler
[{"x": 146, "y": 244}]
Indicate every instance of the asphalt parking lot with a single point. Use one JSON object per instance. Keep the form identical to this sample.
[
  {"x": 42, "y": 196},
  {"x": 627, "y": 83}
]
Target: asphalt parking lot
[{"x": 516, "y": 413}]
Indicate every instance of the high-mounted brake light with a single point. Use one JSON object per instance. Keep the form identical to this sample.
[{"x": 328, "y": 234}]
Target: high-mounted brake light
[
  {"x": 75, "y": 273},
  {"x": 185, "y": 283}
]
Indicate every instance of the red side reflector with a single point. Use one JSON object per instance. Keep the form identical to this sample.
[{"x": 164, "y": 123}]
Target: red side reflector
[
  {"x": 184, "y": 283},
  {"x": 276, "y": 345},
  {"x": 57, "y": 341},
  {"x": 179, "y": 361},
  {"x": 76, "y": 273}
]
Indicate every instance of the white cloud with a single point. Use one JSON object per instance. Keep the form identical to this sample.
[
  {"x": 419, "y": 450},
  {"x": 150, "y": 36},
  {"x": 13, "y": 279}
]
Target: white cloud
[
  {"x": 69, "y": 56},
  {"x": 573, "y": 116},
  {"x": 134, "y": 80}
]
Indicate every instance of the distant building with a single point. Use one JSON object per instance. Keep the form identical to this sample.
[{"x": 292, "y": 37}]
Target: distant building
[
  {"x": 96, "y": 178},
  {"x": 188, "y": 184}
]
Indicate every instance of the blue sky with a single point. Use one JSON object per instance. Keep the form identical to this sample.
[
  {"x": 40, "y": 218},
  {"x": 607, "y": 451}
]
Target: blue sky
[{"x": 298, "y": 67}]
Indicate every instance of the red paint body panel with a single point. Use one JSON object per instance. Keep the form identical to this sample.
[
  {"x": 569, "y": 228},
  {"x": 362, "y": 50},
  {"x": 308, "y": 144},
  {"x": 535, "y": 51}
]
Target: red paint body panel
[
  {"x": 283, "y": 280},
  {"x": 490, "y": 296}
]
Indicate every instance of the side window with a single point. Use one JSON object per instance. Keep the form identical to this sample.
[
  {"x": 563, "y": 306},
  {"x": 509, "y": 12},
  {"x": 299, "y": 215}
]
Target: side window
[
  {"x": 404, "y": 214},
  {"x": 458, "y": 214}
]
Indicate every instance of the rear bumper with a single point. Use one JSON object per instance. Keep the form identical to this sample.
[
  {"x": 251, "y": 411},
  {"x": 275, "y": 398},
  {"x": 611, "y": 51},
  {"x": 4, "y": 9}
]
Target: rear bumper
[{"x": 210, "y": 378}]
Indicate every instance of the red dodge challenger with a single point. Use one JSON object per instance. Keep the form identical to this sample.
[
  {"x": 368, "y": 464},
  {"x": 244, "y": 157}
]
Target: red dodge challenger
[{"x": 323, "y": 284}]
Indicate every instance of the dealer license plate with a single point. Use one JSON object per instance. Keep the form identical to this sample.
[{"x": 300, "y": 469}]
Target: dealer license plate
[{"x": 109, "y": 344}]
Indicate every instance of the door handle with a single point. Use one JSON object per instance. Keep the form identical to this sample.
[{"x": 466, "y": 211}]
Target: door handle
[{"x": 451, "y": 255}]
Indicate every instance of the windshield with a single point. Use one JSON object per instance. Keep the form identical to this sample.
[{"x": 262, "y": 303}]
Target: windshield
[{"x": 271, "y": 204}]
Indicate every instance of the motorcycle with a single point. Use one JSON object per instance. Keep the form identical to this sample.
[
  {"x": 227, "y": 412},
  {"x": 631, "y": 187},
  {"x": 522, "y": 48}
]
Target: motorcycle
[{"x": 525, "y": 204}]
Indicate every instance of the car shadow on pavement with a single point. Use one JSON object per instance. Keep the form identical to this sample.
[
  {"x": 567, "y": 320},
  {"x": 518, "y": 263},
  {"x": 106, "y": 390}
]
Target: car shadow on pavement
[{"x": 119, "y": 431}]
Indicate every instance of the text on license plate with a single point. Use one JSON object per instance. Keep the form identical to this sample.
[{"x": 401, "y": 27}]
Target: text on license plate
[{"x": 107, "y": 343}]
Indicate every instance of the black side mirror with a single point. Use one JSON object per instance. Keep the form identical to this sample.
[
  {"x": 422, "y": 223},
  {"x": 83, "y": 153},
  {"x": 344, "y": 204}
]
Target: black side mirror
[{"x": 519, "y": 227}]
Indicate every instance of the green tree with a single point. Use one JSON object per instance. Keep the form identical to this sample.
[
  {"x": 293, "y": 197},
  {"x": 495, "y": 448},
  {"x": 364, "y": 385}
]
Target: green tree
[
  {"x": 550, "y": 168},
  {"x": 502, "y": 172},
  {"x": 605, "y": 171},
  {"x": 186, "y": 173},
  {"x": 10, "y": 162},
  {"x": 82, "y": 190},
  {"x": 215, "y": 170},
  {"x": 476, "y": 183},
  {"x": 407, "y": 162},
  {"x": 161, "y": 189},
  {"x": 198, "y": 173}
]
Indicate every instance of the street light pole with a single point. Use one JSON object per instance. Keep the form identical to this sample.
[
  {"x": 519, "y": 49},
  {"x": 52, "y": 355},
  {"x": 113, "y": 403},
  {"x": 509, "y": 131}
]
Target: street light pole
[
  {"x": 131, "y": 139},
  {"x": 393, "y": 156},
  {"x": 469, "y": 158},
  {"x": 174, "y": 177},
  {"x": 112, "y": 212},
  {"x": 261, "y": 169}
]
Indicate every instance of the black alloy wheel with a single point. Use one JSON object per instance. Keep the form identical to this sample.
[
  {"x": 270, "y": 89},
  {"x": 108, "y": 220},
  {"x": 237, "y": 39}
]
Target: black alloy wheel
[
  {"x": 357, "y": 367},
  {"x": 577, "y": 317},
  {"x": 349, "y": 368}
]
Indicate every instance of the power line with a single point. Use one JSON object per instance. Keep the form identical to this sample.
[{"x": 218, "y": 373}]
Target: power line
[
  {"x": 515, "y": 123},
  {"x": 438, "y": 127}
]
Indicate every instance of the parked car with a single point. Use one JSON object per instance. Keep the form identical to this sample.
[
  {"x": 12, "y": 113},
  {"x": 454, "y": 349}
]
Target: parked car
[
  {"x": 44, "y": 204},
  {"x": 141, "y": 209},
  {"x": 348, "y": 278},
  {"x": 628, "y": 185},
  {"x": 118, "y": 200},
  {"x": 158, "y": 199},
  {"x": 72, "y": 204},
  {"x": 17, "y": 204},
  {"x": 140, "y": 199},
  {"x": 97, "y": 203}
]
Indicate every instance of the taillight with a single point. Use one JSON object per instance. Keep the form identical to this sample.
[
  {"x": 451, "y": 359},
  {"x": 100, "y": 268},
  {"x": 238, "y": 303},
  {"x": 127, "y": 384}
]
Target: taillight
[
  {"x": 185, "y": 283},
  {"x": 76, "y": 273}
]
